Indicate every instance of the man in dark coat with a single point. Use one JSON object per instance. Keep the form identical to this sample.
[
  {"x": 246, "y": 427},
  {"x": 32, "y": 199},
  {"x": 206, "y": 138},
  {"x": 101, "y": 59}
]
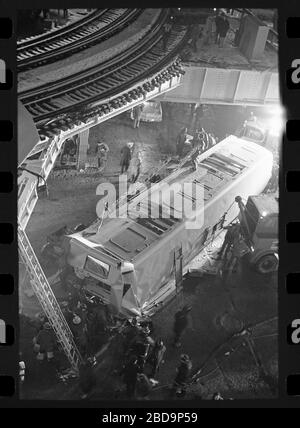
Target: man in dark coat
[
  {"x": 183, "y": 375},
  {"x": 141, "y": 347},
  {"x": 232, "y": 234},
  {"x": 125, "y": 158},
  {"x": 181, "y": 323},
  {"x": 47, "y": 342},
  {"x": 137, "y": 113},
  {"x": 222, "y": 27},
  {"x": 156, "y": 357},
  {"x": 130, "y": 372},
  {"x": 167, "y": 27},
  {"x": 87, "y": 378}
]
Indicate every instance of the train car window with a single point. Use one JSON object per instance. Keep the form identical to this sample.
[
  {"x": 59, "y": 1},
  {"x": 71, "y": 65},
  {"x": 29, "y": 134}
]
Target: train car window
[
  {"x": 150, "y": 225},
  {"x": 254, "y": 134},
  {"x": 97, "y": 267},
  {"x": 226, "y": 162},
  {"x": 129, "y": 241},
  {"x": 229, "y": 161},
  {"x": 219, "y": 166},
  {"x": 212, "y": 171}
]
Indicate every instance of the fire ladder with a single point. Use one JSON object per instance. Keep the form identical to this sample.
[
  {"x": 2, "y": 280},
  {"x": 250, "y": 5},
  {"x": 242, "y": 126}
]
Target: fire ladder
[{"x": 28, "y": 182}]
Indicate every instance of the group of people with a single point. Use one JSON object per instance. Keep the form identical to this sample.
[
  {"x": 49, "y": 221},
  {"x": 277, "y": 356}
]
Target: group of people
[
  {"x": 200, "y": 139},
  {"x": 215, "y": 31},
  {"x": 130, "y": 161},
  {"x": 143, "y": 357}
]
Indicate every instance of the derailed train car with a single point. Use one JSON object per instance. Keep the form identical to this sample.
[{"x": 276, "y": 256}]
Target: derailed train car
[{"x": 130, "y": 262}]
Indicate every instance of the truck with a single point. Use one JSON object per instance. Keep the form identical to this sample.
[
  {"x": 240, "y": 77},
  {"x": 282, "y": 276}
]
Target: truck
[{"x": 259, "y": 226}]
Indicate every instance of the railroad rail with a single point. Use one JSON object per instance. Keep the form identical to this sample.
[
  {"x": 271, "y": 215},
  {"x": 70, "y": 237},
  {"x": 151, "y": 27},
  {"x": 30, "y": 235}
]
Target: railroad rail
[
  {"x": 95, "y": 28},
  {"x": 57, "y": 102}
]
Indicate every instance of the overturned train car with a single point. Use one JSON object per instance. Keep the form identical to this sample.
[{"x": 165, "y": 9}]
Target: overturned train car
[{"x": 130, "y": 262}]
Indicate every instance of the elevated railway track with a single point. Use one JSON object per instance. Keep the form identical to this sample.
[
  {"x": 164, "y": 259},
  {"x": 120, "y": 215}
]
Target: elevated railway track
[
  {"x": 94, "y": 28},
  {"x": 103, "y": 87}
]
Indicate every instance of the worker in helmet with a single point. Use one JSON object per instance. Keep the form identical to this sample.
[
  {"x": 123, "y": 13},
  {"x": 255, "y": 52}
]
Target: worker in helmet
[
  {"x": 181, "y": 323},
  {"x": 78, "y": 329},
  {"x": 47, "y": 342},
  {"x": 87, "y": 377},
  {"x": 129, "y": 373},
  {"x": 232, "y": 234},
  {"x": 141, "y": 347},
  {"x": 183, "y": 373},
  {"x": 125, "y": 158}
]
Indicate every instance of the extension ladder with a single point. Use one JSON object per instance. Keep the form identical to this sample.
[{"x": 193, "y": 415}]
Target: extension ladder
[{"x": 48, "y": 301}]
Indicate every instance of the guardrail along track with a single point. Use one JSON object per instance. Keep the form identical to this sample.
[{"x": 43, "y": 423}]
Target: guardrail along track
[
  {"x": 109, "y": 79},
  {"x": 95, "y": 28}
]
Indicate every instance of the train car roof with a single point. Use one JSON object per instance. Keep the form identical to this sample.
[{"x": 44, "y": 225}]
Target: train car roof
[{"x": 126, "y": 238}]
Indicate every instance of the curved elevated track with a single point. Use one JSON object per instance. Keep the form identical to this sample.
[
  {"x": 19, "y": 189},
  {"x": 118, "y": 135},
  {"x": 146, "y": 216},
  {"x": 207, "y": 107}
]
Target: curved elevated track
[
  {"x": 94, "y": 28},
  {"x": 96, "y": 87}
]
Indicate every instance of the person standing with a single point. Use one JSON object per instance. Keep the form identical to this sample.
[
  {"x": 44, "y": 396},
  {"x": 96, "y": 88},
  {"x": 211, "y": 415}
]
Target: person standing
[
  {"x": 87, "y": 378},
  {"x": 204, "y": 138},
  {"x": 197, "y": 141},
  {"x": 181, "y": 323},
  {"x": 102, "y": 153},
  {"x": 156, "y": 357},
  {"x": 141, "y": 346},
  {"x": 130, "y": 372},
  {"x": 183, "y": 375},
  {"x": 135, "y": 167},
  {"x": 233, "y": 231},
  {"x": 125, "y": 158},
  {"x": 218, "y": 24},
  {"x": 47, "y": 342},
  {"x": 137, "y": 113},
  {"x": 180, "y": 141},
  {"x": 195, "y": 33},
  {"x": 166, "y": 34},
  {"x": 79, "y": 331},
  {"x": 223, "y": 29}
]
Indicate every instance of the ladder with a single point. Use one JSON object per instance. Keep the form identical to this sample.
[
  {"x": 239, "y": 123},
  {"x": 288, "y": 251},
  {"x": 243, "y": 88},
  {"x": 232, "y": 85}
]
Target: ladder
[
  {"x": 27, "y": 199},
  {"x": 48, "y": 301}
]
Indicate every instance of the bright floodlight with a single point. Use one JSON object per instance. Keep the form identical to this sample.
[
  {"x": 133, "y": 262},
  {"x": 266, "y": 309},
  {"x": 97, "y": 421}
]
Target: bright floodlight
[{"x": 277, "y": 119}]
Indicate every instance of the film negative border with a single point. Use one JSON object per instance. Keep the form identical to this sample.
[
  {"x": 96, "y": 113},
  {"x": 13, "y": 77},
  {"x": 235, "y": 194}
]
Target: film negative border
[
  {"x": 8, "y": 244},
  {"x": 290, "y": 214},
  {"x": 289, "y": 204}
]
